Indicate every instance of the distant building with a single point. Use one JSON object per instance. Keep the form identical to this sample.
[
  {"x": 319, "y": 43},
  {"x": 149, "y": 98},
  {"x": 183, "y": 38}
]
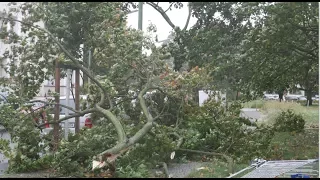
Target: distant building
[{"x": 48, "y": 85}]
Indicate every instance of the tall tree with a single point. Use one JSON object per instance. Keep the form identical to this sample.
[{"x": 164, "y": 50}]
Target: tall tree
[
  {"x": 118, "y": 51},
  {"x": 282, "y": 48}
]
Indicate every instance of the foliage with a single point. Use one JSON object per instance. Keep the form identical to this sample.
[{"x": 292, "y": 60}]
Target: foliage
[
  {"x": 25, "y": 155},
  {"x": 272, "y": 109},
  {"x": 215, "y": 169},
  {"x": 210, "y": 129},
  {"x": 281, "y": 50},
  {"x": 133, "y": 171},
  {"x": 143, "y": 104},
  {"x": 214, "y": 41},
  {"x": 292, "y": 145},
  {"x": 288, "y": 121},
  {"x": 74, "y": 157}
]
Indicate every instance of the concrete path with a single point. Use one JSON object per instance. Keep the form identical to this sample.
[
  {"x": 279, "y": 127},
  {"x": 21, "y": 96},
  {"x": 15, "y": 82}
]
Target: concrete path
[{"x": 252, "y": 114}]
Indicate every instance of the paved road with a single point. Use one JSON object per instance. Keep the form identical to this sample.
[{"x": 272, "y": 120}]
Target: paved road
[{"x": 251, "y": 113}]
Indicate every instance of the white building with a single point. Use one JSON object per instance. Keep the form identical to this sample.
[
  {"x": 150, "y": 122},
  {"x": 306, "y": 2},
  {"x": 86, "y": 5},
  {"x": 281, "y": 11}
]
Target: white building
[{"x": 48, "y": 85}]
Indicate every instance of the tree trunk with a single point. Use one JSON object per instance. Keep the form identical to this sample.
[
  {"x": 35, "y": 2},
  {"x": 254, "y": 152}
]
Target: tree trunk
[
  {"x": 196, "y": 95},
  {"x": 309, "y": 97},
  {"x": 57, "y": 108},
  {"x": 85, "y": 62},
  {"x": 77, "y": 100}
]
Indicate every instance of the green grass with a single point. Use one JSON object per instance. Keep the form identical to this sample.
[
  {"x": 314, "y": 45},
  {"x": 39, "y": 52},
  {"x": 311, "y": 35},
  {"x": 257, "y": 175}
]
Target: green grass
[
  {"x": 272, "y": 108},
  {"x": 298, "y": 146},
  {"x": 254, "y": 104},
  {"x": 284, "y": 145},
  {"x": 215, "y": 169}
]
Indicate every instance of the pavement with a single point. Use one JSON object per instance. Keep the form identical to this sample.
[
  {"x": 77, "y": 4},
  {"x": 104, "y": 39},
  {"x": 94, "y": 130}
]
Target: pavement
[
  {"x": 250, "y": 113},
  {"x": 3, "y": 159}
]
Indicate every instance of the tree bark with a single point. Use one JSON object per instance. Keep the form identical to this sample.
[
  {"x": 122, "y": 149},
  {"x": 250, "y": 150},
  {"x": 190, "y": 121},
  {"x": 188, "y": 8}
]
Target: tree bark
[
  {"x": 309, "y": 97},
  {"x": 86, "y": 63},
  {"x": 77, "y": 100},
  {"x": 196, "y": 95},
  {"x": 57, "y": 108}
]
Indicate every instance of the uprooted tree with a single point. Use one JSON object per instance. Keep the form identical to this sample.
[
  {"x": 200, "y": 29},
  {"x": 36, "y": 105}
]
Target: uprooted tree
[
  {"x": 117, "y": 49},
  {"x": 137, "y": 101}
]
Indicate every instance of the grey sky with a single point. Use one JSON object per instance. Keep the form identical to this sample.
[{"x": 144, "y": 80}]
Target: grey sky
[{"x": 177, "y": 16}]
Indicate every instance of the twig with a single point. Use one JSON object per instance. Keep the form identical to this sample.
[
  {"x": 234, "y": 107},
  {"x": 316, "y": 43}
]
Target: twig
[
  {"x": 82, "y": 113},
  {"x": 62, "y": 105},
  {"x": 163, "y": 14},
  {"x": 165, "y": 168},
  {"x": 188, "y": 19},
  {"x": 169, "y": 8}
]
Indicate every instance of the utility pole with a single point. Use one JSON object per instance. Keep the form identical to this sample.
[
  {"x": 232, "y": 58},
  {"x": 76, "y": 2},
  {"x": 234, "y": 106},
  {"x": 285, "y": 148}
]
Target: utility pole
[
  {"x": 89, "y": 65},
  {"x": 57, "y": 108},
  {"x": 77, "y": 100},
  {"x": 66, "y": 124},
  {"x": 140, "y": 16}
]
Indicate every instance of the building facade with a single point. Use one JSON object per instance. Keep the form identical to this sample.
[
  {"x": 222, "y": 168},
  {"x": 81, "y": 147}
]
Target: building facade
[{"x": 47, "y": 85}]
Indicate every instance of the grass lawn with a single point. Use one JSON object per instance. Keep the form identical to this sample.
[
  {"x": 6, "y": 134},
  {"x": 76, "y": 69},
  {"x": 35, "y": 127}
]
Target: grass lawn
[
  {"x": 272, "y": 108},
  {"x": 298, "y": 146},
  {"x": 284, "y": 145}
]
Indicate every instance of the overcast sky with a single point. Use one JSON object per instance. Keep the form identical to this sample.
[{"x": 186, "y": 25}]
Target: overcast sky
[{"x": 177, "y": 16}]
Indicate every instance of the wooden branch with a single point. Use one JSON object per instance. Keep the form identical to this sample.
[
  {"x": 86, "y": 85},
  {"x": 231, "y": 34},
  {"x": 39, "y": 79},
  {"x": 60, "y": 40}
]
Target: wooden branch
[
  {"x": 307, "y": 52},
  {"x": 165, "y": 168},
  {"x": 168, "y": 8},
  {"x": 126, "y": 99},
  {"x": 119, "y": 128},
  {"x": 143, "y": 102},
  {"x": 126, "y": 143},
  {"x": 82, "y": 113},
  {"x": 188, "y": 19},
  {"x": 162, "y": 12},
  {"x": 67, "y": 107}
]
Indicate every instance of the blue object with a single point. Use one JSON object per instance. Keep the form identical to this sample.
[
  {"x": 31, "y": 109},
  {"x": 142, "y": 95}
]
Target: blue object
[{"x": 299, "y": 176}]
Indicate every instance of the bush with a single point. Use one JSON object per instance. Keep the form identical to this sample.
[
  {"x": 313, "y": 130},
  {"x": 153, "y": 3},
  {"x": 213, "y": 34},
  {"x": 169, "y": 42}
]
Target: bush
[
  {"x": 25, "y": 156},
  {"x": 209, "y": 128},
  {"x": 288, "y": 121}
]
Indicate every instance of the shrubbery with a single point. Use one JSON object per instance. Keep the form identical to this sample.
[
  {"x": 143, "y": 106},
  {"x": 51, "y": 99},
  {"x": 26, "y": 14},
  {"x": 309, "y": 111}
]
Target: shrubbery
[
  {"x": 209, "y": 128},
  {"x": 288, "y": 121}
]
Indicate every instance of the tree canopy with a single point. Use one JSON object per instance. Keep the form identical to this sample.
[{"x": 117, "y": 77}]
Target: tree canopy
[{"x": 143, "y": 110}]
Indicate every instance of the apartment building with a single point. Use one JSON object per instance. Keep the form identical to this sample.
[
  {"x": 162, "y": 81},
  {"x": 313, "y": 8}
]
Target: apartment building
[{"x": 47, "y": 85}]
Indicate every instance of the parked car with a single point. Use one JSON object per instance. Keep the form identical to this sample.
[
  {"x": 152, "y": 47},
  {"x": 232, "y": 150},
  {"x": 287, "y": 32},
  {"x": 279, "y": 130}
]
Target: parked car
[
  {"x": 315, "y": 98},
  {"x": 270, "y": 97},
  {"x": 292, "y": 97},
  {"x": 302, "y": 98}
]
